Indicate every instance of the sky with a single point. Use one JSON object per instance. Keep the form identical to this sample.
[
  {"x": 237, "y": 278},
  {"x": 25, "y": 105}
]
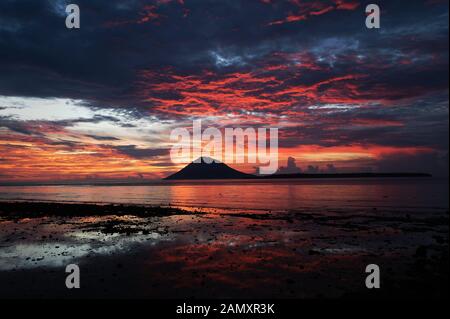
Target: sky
[{"x": 100, "y": 102}]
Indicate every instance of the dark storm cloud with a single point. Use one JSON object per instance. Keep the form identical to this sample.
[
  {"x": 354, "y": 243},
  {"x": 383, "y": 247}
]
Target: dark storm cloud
[
  {"x": 141, "y": 153},
  {"x": 40, "y": 57},
  {"x": 422, "y": 123},
  {"x": 40, "y": 127},
  {"x": 103, "y": 138},
  {"x": 174, "y": 59},
  {"x": 16, "y": 126}
]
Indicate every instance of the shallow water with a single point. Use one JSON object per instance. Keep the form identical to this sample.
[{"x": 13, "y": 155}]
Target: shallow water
[
  {"x": 274, "y": 195},
  {"x": 314, "y": 239},
  {"x": 283, "y": 254}
]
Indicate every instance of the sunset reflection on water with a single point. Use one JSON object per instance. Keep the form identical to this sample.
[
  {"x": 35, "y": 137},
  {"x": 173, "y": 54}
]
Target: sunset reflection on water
[{"x": 274, "y": 195}]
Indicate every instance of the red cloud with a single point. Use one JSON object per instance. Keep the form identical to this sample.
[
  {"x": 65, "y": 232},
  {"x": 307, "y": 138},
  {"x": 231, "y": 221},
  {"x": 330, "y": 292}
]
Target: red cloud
[{"x": 306, "y": 9}]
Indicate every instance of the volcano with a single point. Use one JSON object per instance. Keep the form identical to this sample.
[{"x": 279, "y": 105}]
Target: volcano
[{"x": 207, "y": 168}]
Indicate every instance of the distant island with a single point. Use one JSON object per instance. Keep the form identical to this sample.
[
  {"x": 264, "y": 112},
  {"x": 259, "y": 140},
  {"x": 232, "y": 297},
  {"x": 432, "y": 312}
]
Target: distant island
[{"x": 207, "y": 168}]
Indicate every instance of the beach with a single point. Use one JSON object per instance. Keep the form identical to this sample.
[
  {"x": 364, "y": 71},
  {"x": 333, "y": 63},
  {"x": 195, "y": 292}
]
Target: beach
[{"x": 148, "y": 251}]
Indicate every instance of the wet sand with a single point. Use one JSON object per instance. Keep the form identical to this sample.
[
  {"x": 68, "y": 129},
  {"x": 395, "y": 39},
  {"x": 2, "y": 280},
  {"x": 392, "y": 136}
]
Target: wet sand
[{"x": 129, "y": 251}]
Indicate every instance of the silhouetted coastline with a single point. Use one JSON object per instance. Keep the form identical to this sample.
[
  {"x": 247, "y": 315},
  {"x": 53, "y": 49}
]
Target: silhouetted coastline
[{"x": 210, "y": 169}]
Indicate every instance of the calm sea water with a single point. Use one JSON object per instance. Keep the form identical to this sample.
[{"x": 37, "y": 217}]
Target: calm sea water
[{"x": 274, "y": 195}]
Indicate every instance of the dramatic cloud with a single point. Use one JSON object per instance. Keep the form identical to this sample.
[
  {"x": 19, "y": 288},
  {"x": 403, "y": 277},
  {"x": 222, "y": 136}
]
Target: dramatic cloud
[
  {"x": 291, "y": 167},
  {"x": 345, "y": 98}
]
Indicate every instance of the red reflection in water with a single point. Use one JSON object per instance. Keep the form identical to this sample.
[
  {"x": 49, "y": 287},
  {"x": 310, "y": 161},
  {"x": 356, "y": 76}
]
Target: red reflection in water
[{"x": 274, "y": 195}]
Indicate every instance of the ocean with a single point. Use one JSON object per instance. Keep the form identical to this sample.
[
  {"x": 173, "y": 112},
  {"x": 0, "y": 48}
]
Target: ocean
[{"x": 250, "y": 194}]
